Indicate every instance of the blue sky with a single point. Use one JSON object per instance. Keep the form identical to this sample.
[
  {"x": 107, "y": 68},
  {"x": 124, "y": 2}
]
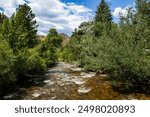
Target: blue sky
[
  {"x": 92, "y": 4},
  {"x": 114, "y": 4},
  {"x": 64, "y": 15}
]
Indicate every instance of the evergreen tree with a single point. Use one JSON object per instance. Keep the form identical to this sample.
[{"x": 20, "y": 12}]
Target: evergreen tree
[
  {"x": 21, "y": 29},
  {"x": 25, "y": 20},
  {"x": 7, "y": 60},
  {"x": 141, "y": 23},
  {"x": 103, "y": 13},
  {"x": 50, "y": 46},
  {"x": 54, "y": 38},
  {"x": 26, "y": 27},
  {"x": 2, "y": 18},
  {"x": 5, "y": 28},
  {"x": 103, "y": 19},
  {"x": 143, "y": 7},
  {"x": 13, "y": 40}
]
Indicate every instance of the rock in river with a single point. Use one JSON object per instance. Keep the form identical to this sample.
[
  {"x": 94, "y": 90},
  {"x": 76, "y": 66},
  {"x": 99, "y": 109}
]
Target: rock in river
[
  {"x": 84, "y": 90},
  {"x": 36, "y": 95}
]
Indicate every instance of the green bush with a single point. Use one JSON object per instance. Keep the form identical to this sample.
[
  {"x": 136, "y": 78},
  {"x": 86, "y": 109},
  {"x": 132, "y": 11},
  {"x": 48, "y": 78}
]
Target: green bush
[
  {"x": 119, "y": 54},
  {"x": 35, "y": 65},
  {"x": 67, "y": 55},
  {"x": 7, "y": 60},
  {"x": 29, "y": 62},
  {"x": 48, "y": 53}
]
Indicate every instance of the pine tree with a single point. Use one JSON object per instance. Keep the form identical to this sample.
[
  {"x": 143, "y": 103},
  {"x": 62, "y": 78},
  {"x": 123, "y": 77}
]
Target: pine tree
[
  {"x": 53, "y": 38},
  {"x": 143, "y": 7},
  {"x": 5, "y": 28},
  {"x": 12, "y": 40},
  {"x": 103, "y": 19},
  {"x": 140, "y": 23},
  {"x": 2, "y": 18},
  {"x": 7, "y": 60},
  {"x": 26, "y": 26},
  {"x": 50, "y": 46},
  {"x": 21, "y": 29},
  {"x": 103, "y": 13}
]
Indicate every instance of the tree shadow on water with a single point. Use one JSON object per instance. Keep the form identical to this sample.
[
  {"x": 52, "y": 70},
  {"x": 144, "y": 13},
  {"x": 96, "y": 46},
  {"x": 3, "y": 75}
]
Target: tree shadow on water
[
  {"x": 139, "y": 89},
  {"x": 18, "y": 90}
]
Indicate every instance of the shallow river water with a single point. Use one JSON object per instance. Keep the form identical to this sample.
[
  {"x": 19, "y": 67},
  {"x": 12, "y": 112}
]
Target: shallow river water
[{"x": 67, "y": 81}]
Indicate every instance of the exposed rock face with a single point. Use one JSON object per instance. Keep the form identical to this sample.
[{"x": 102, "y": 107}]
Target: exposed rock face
[
  {"x": 41, "y": 37},
  {"x": 65, "y": 39}
]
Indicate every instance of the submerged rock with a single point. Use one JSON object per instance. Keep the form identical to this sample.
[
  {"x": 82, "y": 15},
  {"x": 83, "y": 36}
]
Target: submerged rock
[
  {"x": 36, "y": 95},
  {"x": 10, "y": 97},
  {"x": 52, "y": 98},
  {"x": 87, "y": 75},
  {"x": 47, "y": 81},
  {"x": 51, "y": 83},
  {"x": 60, "y": 83},
  {"x": 76, "y": 69},
  {"x": 103, "y": 75},
  {"x": 78, "y": 81},
  {"x": 131, "y": 98},
  {"x": 84, "y": 90}
]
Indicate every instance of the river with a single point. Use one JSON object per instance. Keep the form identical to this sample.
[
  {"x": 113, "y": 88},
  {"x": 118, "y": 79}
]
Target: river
[{"x": 67, "y": 81}]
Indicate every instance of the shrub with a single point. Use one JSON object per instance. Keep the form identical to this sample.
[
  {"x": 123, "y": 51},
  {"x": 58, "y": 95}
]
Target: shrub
[
  {"x": 35, "y": 65},
  {"x": 7, "y": 60},
  {"x": 119, "y": 54},
  {"x": 29, "y": 62}
]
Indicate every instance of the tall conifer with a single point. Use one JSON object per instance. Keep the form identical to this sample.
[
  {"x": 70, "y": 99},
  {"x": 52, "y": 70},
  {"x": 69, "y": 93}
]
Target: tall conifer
[{"x": 103, "y": 13}]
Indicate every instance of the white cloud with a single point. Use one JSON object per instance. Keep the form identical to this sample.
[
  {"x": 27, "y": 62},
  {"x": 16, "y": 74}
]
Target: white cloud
[
  {"x": 65, "y": 17},
  {"x": 120, "y": 12},
  {"x": 76, "y": 8},
  {"x": 10, "y": 6}
]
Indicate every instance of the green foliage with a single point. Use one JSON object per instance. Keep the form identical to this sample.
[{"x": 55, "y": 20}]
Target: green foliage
[
  {"x": 22, "y": 56},
  {"x": 29, "y": 62},
  {"x": 4, "y": 31},
  {"x": 121, "y": 54},
  {"x": 103, "y": 13},
  {"x": 101, "y": 27},
  {"x": 20, "y": 32},
  {"x": 53, "y": 38},
  {"x": 142, "y": 7},
  {"x": 35, "y": 64},
  {"x": 67, "y": 54},
  {"x": 7, "y": 60},
  {"x": 71, "y": 52},
  {"x": 2, "y": 18},
  {"x": 103, "y": 19},
  {"x": 26, "y": 24},
  {"x": 120, "y": 50},
  {"x": 21, "y": 29},
  {"x": 49, "y": 47}
]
